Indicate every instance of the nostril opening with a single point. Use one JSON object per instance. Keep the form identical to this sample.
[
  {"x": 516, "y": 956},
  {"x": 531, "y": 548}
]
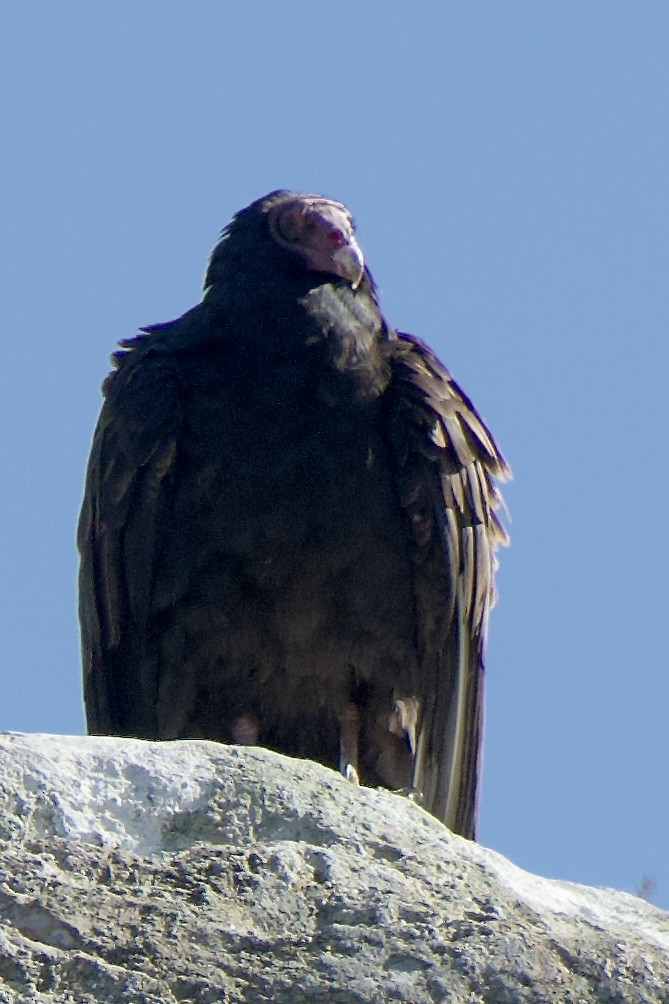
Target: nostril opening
[{"x": 336, "y": 237}]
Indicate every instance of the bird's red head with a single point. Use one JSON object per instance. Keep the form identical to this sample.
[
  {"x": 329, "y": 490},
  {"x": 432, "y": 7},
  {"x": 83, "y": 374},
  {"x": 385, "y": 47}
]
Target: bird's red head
[{"x": 319, "y": 231}]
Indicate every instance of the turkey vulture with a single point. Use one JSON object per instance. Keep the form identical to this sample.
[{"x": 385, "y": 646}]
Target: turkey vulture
[{"x": 288, "y": 529}]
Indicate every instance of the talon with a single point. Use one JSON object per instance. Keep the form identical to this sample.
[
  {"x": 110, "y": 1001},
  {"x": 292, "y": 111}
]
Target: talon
[
  {"x": 413, "y": 794},
  {"x": 349, "y": 722},
  {"x": 351, "y": 774}
]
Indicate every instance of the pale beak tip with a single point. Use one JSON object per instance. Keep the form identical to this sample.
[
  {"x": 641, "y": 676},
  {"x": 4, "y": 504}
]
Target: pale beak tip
[{"x": 349, "y": 264}]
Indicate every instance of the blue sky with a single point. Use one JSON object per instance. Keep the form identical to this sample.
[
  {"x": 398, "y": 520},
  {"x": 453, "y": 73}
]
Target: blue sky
[{"x": 507, "y": 165}]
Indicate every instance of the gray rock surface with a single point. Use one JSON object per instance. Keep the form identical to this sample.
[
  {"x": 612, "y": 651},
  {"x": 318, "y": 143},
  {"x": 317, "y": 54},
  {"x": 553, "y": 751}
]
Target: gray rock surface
[{"x": 193, "y": 872}]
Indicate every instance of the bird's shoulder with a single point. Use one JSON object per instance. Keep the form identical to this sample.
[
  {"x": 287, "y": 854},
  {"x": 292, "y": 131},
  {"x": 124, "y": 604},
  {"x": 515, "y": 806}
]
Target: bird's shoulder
[
  {"x": 434, "y": 412},
  {"x": 145, "y": 392}
]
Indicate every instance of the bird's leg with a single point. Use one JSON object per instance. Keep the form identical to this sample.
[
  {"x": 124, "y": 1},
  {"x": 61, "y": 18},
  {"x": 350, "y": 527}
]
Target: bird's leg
[
  {"x": 402, "y": 722},
  {"x": 349, "y": 728},
  {"x": 245, "y": 731}
]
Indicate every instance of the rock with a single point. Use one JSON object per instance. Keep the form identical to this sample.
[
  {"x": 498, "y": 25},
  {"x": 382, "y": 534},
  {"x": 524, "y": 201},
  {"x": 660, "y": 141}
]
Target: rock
[{"x": 195, "y": 872}]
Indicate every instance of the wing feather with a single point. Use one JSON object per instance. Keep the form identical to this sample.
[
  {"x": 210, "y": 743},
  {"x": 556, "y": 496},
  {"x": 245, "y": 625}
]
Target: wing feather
[
  {"x": 442, "y": 446},
  {"x": 133, "y": 453}
]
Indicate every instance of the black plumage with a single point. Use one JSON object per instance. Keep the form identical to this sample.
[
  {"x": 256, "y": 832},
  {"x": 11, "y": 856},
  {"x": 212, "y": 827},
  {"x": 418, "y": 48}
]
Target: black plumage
[{"x": 288, "y": 529}]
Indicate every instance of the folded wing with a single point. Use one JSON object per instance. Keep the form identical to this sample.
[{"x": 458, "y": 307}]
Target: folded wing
[
  {"x": 447, "y": 463},
  {"x": 122, "y": 520}
]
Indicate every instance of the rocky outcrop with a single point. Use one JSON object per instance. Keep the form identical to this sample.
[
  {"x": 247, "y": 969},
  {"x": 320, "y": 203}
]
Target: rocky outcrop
[{"x": 194, "y": 872}]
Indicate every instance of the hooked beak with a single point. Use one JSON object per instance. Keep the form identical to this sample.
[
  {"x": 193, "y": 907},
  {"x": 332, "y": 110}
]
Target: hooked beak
[
  {"x": 321, "y": 232},
  {"x": 348, "y": 262}
]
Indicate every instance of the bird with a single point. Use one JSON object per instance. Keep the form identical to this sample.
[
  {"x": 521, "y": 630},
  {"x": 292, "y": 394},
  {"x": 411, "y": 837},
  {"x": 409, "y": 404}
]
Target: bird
[{"x": 289, "y": 524}]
